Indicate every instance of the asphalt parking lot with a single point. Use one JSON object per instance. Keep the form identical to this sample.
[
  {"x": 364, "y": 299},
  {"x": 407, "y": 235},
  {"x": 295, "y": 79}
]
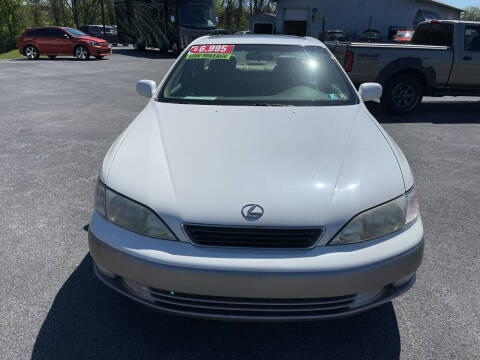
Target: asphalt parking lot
[{"x": 57, "y": 120}]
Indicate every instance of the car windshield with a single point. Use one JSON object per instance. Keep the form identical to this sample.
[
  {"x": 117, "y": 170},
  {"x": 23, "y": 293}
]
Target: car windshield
[
  {"x": 262, "y": 75},
  {"x": 405, "y": 34},
  {"x": 75, "y": 32},
  {"x": 197, "y": 14}
]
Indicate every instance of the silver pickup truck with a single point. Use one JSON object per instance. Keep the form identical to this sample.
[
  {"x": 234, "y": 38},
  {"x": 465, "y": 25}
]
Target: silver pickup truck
[{"x": 443, "y": 59}]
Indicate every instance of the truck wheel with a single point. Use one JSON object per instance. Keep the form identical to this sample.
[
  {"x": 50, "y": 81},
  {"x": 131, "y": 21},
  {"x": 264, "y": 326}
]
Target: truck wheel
[
  {"x": 163, "y": 49},
  {"x": 139, "y": 46},
  {"x": 176, "y": 48},
  {"x": 403, "y": 94}
]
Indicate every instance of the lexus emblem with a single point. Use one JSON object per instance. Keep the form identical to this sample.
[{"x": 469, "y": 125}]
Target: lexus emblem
[{"x": 252, "y": 212}]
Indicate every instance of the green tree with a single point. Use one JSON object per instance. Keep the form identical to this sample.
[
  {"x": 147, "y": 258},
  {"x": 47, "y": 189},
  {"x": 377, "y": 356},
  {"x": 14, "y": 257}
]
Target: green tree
[
  {"x": 11, "y": 23},
  {"x": 471, "y": 13}
]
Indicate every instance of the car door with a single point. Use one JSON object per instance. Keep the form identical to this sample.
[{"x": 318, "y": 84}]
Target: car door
[
  {"x": 42, "y": 40},
  {"x": 468, "y": 67},
  {"x": 62, "y": 42}
]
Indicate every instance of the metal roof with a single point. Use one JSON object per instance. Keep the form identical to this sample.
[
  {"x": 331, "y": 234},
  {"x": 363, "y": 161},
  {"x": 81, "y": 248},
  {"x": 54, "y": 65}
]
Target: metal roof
[{"x": 439, "y": 3}]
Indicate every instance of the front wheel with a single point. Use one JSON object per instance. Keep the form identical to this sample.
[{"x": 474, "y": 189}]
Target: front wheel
[
  {"x": 176, "y": 48},
  {"x": 82, "y": 53},
  {"x": 139, "y": 46},
  {"x": 31, "y": 52},
  {"x": 403, "y": 94}
]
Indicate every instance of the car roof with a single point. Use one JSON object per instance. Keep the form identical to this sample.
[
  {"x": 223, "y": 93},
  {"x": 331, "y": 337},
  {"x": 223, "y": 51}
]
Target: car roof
[{"x": 258, "y": 39}]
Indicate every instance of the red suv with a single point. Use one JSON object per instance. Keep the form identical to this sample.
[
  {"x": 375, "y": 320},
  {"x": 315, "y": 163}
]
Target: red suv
[{"x": 53, "y": 41}]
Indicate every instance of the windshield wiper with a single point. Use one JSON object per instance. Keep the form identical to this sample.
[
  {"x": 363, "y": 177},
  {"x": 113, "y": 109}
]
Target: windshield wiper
[{"x": 268, "y": 104}]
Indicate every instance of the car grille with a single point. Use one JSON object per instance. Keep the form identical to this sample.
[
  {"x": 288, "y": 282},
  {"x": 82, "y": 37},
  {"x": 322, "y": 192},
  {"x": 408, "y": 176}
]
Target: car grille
[
  {"x": 243, "y": 307},
  {"x": 253, "y": 237}
]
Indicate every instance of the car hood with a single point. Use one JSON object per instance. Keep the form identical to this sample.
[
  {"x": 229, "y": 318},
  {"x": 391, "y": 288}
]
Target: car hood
[
  {"x": 90, "y": 38},
  {"x": 306, "y": 166}
]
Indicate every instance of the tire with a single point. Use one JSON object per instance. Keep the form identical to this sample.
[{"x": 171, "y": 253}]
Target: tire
[
  {"x": 31, "y": 52},
  {"x": 139, "y": 46},
  {"x": 52, "y": 56},
  {"x": 176, "y": 48},
  {"x": 81, "y": 53},
  {"x": 403, "y": 94},
  {"x": 99, "y": 57},
  {"x": 163, "y": 49}
]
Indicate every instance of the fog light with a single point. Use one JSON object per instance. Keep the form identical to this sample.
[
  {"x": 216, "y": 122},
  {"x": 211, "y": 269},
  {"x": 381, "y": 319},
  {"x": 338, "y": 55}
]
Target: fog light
[
  {"x": 138, "y": 289},
  {"x": 106, "y": 273},
  {"x": 402, "y": 281}
]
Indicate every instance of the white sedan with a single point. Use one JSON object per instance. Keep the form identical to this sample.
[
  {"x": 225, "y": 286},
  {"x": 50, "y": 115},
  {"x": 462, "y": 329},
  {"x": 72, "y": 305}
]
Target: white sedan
[{"x": 256, "y": 185}]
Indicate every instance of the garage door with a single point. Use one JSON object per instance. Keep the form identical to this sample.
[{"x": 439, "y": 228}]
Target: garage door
[{"x": 296, "y": 14}]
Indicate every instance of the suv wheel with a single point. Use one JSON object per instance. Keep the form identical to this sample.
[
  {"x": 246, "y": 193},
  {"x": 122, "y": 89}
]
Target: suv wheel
[
  {"x": 403, "y": 94},
  {"x": 82, "y": 53},
  {"x": 31, "y": 52}
]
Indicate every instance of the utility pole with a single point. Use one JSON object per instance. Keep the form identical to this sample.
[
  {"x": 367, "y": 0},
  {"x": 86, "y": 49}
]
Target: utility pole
[{"x": 103, "y": 17}]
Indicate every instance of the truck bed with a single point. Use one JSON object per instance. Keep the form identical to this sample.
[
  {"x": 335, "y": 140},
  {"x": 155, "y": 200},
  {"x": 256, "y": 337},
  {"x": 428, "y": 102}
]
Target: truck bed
[{"x": 373, "y": 62}]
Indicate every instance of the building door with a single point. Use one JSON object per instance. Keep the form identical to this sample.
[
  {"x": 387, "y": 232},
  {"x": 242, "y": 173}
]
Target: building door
[
  {"x": 298, "y": 28},
  {"x": 262, "y": 28},
  {"x": 295, "y": 22}
]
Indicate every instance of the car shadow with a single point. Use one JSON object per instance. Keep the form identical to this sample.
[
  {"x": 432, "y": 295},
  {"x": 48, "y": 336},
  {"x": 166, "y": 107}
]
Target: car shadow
[
  {"x": 57, "y": 59},
  {"x": 88, "y": 320},
  {"x": 435, "y": 112},
  {"x": 147, "y": 53}
]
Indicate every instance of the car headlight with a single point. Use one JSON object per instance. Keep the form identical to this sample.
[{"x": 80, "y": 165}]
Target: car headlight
[
  {"x": 129, "y": 214},
  {"x": 94, "y": 43},
  {"x": 381, "y": 220}
]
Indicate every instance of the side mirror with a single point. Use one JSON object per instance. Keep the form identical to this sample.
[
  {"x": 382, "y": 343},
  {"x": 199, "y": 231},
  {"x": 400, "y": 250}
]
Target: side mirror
[
  {"x": 370, "y": 91},
  {"x": 66, "y": 36},
  {"x": 146, "y": 88},
  {"x": 172, "y": 19}
]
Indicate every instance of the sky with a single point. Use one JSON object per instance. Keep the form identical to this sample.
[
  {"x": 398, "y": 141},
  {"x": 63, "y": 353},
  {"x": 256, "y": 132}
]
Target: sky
[{"x": 462, "y": 3}]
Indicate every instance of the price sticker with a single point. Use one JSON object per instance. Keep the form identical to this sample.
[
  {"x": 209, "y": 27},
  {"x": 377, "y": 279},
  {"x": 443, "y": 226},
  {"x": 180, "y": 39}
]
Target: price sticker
[{"x": 210, "y": 52}]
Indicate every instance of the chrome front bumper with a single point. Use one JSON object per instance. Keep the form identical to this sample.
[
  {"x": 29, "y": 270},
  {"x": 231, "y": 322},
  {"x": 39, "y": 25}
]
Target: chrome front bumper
[{"x": 181, "y": 283}]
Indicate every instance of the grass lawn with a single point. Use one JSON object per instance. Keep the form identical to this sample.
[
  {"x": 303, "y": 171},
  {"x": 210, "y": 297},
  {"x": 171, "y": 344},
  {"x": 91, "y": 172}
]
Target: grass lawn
[{"x": 14, "y": 54}]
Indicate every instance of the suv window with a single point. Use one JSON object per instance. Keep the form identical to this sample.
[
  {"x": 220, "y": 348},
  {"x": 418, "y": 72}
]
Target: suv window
[
  {"x": 57, "y": 33},
  {"x": 33, "y": 32},
  {"x": 38, "y": 32},
  {"x": 472, "y": 38},
  {"x": 50, "y": 32},
  {"x": 440, "y": 34}
]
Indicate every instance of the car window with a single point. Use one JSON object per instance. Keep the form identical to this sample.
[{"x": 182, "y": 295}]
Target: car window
[
  {"x": 258, "y": 75},
  {"x": 472, "y": 38},
  {"x": 34, "y": 32},
  {"x": 74, "y": 32},
  {"x": 404, "y": 34},
  {"x": 41, "y": 32},
  {"x": 48, "y": 32},
  {"x": 440, "y": 34},
  {"x": 56, "y": 33}
]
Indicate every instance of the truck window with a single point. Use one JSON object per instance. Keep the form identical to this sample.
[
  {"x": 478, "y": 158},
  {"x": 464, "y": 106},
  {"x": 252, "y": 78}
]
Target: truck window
[
  {"x": 472, "y": 38},
  {"x": 440, "y": 34}
]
